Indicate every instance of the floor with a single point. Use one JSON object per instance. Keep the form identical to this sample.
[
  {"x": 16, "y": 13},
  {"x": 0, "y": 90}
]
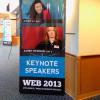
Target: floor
[{"x": 9, "y": 78}]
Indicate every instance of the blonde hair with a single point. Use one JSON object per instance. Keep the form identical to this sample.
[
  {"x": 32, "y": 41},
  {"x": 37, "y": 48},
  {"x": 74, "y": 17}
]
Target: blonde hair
[{"x": 47, "y": 37}]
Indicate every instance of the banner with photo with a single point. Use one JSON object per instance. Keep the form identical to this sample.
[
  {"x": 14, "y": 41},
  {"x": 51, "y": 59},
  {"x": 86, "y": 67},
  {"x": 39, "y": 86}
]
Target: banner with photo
[
  {"x": 42, "y": 49},
  {"x": 7, "y": 36}
]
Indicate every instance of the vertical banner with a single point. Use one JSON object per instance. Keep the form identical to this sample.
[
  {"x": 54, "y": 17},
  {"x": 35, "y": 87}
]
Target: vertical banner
[
  {"x": 7, "y": 39},
  {"x": 42, "y": 49}
]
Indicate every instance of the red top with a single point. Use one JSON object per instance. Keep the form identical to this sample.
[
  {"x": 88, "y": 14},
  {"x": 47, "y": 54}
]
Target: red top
[{"x": 46, "y": 15}]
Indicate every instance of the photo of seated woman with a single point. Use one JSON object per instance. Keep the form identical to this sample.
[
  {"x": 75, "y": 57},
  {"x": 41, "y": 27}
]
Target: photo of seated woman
[
  {"x": 38, "y": 12},
  {"x": 51, "y": 41}
]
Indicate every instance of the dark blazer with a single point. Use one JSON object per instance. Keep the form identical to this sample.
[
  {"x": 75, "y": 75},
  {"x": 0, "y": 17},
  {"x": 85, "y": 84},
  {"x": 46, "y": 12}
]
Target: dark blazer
[{"x": 48, "y": 46}]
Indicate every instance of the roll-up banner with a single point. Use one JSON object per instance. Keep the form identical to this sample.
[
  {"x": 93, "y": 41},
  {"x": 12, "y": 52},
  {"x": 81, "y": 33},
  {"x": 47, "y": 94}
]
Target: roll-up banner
[
  {"x": 7, "y": 39},
  {"x": 42, "y": 49}
]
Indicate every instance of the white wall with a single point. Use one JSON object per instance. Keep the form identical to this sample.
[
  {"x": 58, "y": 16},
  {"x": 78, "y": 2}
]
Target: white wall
[
  {"x": 14, "y": 4},
  {"x": 89, "y": 27},
  {"x": 72, "y": 26},
  {"x": 4, "y": 3},
  {"x": 13, "y": 24}
]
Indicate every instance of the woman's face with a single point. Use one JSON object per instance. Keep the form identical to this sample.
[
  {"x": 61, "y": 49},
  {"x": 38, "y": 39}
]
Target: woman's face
[
  {"x": 51, "y": 32},
  {"x": 38, "y": 8}
]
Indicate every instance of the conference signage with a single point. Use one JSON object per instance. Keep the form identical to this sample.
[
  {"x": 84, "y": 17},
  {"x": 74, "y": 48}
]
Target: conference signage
[
  {"x": 7, "y": 39},
  {"x": 42, "y": 49}
]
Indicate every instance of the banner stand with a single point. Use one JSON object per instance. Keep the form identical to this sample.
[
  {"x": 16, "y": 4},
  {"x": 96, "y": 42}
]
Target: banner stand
[
  {"x": 7, "y": 37},
  {"x": 42, "y": 47}
]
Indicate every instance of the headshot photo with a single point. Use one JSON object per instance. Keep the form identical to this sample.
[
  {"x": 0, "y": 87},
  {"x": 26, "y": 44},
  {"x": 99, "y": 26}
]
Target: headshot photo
[
  {"x": 47, "y": 40},
  {"x": 51, "y": 40},
  {"x": 42, "y": 10},
  {"x": 42, "y": 37},
  {"x": 39, "y": 12}
]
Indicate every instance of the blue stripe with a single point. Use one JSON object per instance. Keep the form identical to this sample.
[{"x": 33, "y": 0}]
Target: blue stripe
[{"x": 42, "y": 66}]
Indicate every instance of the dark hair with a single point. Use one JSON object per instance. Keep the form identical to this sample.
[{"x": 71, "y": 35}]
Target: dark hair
[{"x": 32, "y": 12}]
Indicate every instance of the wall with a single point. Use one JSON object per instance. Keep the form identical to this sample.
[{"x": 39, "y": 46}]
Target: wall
[
  {"x": 4, "y": 3},
  {"x": 13, "y": 23},
  {"x": 89, "y": 27},
  {"x": 72, "y": 26}
]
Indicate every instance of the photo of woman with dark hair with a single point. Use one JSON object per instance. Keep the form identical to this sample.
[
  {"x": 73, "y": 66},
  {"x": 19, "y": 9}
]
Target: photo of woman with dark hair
[
  {"x": 51, "y": 41},
  {"x": 38, "y": 12}
]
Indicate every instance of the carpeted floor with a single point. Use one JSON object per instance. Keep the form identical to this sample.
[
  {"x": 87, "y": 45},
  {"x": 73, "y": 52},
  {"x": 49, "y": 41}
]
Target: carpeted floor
[
  {"x": 9, "y": 78},
  {"x": 94, "y": 98}
]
